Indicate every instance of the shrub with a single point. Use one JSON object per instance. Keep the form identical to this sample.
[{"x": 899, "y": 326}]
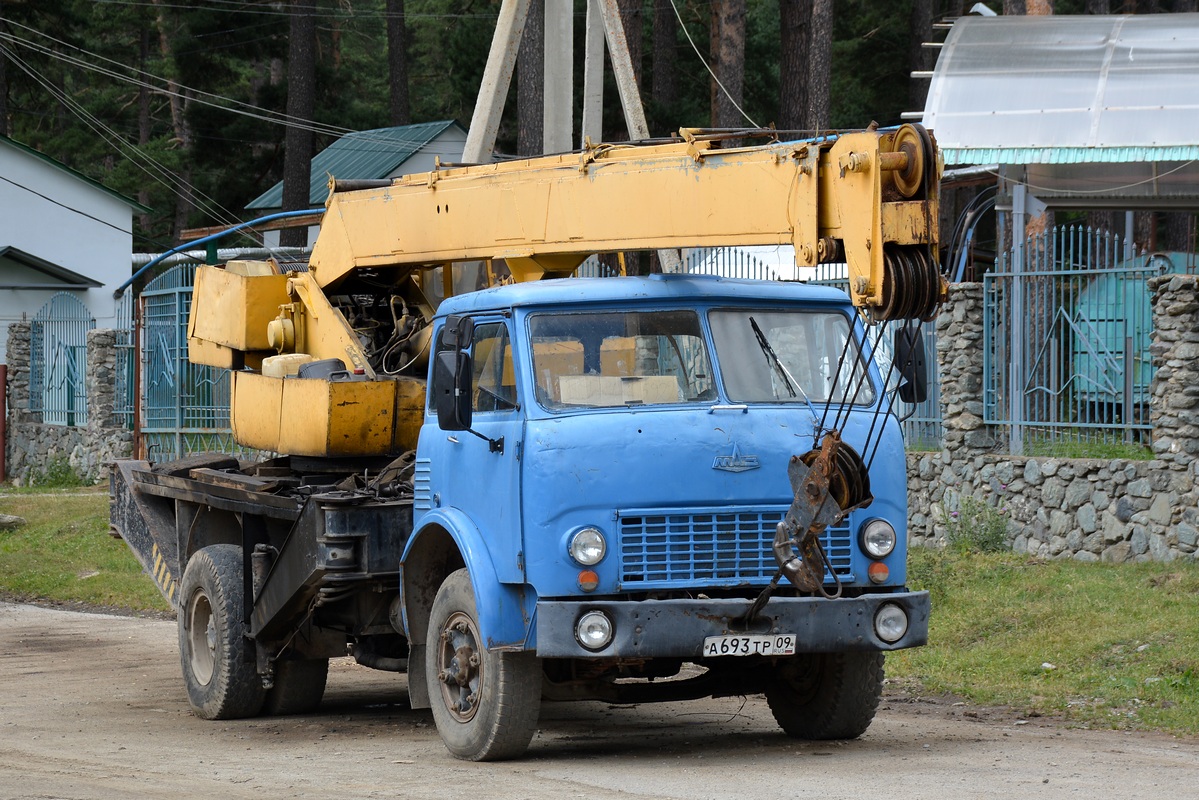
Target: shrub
[
  {"x": 57, "y": 474},
  {"x": 976, "y": 527}
]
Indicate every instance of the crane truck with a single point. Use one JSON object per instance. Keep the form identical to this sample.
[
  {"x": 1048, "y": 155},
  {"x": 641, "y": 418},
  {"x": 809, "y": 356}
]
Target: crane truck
[{"x": 516, "y": 486}]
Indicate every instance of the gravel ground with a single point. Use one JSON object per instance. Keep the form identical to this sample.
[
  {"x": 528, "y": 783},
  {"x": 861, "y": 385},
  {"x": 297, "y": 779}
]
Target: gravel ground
[{"x": 92, "y": 706}]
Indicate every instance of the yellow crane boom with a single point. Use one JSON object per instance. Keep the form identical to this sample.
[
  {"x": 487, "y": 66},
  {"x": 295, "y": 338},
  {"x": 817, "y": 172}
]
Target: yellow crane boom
[{"x": 869, "y": 198}]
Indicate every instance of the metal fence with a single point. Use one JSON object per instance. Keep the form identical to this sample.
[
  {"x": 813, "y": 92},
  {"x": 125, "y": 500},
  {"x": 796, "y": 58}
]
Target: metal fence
[
  {"x": 125, "y": 390},
  {"x": 58, "y": 361},
  {"x": 185, "y": 406},
  {"x": 1066, "y": 335}
]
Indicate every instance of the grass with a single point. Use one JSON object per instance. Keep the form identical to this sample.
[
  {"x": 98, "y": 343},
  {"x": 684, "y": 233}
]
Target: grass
[
  {"x": 1065, "y": 448},
  {"x": 64, "y": 553},
  {"x": 1101, "y": 645}
]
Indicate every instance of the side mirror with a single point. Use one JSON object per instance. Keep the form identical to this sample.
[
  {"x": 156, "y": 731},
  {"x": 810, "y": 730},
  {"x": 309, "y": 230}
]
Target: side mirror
[
  {"x": 452, "y": 374},
  {"x": 911, "y": 362}
]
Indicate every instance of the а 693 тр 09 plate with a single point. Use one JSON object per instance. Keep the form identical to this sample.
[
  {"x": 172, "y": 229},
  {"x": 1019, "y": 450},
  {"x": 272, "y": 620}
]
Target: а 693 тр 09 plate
[{"x": 778, "y": 644}]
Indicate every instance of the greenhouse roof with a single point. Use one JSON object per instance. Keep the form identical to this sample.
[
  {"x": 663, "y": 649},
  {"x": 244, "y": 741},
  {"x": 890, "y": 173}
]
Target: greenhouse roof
[{"x": 1067, "y": 90}]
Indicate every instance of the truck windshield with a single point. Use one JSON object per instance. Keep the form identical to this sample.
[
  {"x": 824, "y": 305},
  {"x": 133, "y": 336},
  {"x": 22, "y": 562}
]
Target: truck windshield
[
  {"x": 785, "y": 356},
  {"x": 619, "y": 358}
]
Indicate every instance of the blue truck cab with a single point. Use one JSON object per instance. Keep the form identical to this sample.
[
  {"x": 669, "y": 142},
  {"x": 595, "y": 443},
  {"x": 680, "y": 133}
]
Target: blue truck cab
[{"x": 600, "y": 476}]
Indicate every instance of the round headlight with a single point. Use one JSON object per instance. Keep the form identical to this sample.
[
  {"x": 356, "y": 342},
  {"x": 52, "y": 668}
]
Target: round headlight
[
  {"x": 594, "y": 630},
  {"x": 890, "y": 623},
  {"x": 587, "y": 547},
  {"x": 878, "y": 538}
]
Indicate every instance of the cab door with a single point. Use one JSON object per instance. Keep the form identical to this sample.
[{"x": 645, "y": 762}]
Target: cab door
[{"x": 477, "y": 472}]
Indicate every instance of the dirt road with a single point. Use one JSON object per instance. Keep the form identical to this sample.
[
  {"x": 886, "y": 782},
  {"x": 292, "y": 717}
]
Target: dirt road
[{"x": 92, "y": 706}]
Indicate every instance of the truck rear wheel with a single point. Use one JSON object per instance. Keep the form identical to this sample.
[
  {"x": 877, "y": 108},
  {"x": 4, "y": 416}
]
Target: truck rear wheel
[
  {"x": 218, "y": 660},
  {"x": 485, "y": 703},
  {"x": 826, "y": 695},
  {"x": 299, "y": 687}
]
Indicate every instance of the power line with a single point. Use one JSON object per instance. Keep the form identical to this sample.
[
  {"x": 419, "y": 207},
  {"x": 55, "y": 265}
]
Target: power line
[
  {"x": 165, "y": 177},
  {"x": 63, "y": 205},
  {"x": 237, "y": 7},
  {"x": 704, "y": 61}
]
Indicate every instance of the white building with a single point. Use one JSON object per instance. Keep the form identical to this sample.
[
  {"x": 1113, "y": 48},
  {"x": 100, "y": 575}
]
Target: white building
[{"x": 60, "y": 231}]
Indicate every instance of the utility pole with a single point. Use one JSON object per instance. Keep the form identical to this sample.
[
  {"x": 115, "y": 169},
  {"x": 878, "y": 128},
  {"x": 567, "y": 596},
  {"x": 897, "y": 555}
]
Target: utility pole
[{"x": 558, "y": 115}]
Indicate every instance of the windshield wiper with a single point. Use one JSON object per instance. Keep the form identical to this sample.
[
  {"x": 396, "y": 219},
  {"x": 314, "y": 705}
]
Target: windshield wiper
[{"x": 773, "y": 359}]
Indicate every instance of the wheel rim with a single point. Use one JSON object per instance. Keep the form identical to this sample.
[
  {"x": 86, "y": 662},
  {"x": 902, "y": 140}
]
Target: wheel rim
[
  {"x": 201, "y": 637},
  {"x": 460, "y": 666}
]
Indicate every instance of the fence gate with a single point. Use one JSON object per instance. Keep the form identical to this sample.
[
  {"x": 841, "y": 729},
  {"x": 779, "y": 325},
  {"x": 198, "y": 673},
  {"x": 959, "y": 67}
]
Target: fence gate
[
  {"x": 184, "y": 406},
  {"x": 58, "y": 361},
  {"x": 1066, "y": 337}
]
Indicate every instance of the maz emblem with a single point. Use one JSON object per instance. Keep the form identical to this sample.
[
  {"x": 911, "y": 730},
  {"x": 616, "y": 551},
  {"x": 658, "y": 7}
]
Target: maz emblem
[{"x": 736, "y": 462}]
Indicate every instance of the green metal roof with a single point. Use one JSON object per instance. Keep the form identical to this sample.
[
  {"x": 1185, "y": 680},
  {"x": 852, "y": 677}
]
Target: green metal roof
[
  {"x": 362, "y": 155},
  {"x": 1068, "y": 155}
]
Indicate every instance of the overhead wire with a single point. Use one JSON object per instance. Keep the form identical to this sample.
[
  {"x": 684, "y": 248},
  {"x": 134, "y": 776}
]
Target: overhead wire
[
  {"x": 142, "y": 161},
  {"x": 238, "y": 7},
  {"x": 200, "y": 96},
  {"x": 708, "y": 67}
]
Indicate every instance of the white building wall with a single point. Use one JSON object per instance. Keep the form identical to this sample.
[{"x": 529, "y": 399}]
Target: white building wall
[{"x": 51, "y": 213}]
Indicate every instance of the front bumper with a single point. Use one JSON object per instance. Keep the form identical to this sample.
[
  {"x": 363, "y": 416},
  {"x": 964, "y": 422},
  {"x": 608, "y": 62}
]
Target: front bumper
[{"x": 676, "y": 628}]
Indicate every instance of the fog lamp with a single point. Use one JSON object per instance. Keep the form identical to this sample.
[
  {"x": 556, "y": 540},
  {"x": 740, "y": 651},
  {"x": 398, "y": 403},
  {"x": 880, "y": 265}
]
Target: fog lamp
[
  {"x": 594, "y": 630},
  {"x": 890, "y": 623}
]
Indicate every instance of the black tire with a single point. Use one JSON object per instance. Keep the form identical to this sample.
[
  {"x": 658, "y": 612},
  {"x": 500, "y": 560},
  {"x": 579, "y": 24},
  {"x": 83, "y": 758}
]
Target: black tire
[
  {"x": 826, "y": 695},
  {"x": 218, "y": 660},
  {"x": 299, "y": 687},
  {"x": 485, "y": 703}
]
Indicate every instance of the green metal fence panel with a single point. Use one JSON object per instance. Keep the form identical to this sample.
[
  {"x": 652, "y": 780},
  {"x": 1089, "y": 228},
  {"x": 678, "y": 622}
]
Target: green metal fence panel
[
  {"x": 1066, "y": 339},
  {"x": 58, "y": 361},
  {"x": 184, "y": 406}
]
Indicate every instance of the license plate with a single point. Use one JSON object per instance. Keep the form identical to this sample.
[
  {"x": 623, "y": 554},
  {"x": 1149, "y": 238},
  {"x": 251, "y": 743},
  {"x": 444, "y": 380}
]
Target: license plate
[{"x": 777, "y": 644}]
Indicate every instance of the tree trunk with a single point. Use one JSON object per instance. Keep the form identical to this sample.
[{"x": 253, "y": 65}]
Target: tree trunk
[
  {"x": 820, "y": 70},
  {"x": 1102, "y": 220},
  {"x": 1186, "y": 6},
  {"x": 301, "y": 102},
  {"x": 143, "y": 118},
  {"x": 665, "y": 91},
  {"x": 3, "y": 83},
  {"x": 920, "y": 30},
  {"x": 632, "y": 17},
  {"x": 397, "y": 63},
  {"x": 1145, "y": 225},
  {"x": 795, "y": 21},
  {"x": 1180, "y": 231},
  {"x": 1013, "y": 8},
  {"x": 179, "y": 124},
  {"x": 1038, "y": 8},
  {"x": 530, "y": 83},
  {"x": 1098, "y": 7},
  {"x": 730, "y": 65}
]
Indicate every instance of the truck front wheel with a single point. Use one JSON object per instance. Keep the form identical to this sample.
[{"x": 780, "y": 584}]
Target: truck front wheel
[
  {"x": 826, "y": 695},
  {"x": 485, "y": 703},
  {"x": 218, "y": 660}
]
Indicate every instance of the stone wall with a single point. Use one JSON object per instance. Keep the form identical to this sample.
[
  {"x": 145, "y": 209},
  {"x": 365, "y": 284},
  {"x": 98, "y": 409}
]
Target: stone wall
[
  {"x": 1086, "y": 509},
  {"x": 33, "y": 446}
]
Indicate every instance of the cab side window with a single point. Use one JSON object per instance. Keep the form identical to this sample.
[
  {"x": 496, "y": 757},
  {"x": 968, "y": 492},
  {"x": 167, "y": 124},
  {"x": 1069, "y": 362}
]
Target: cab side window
[{"x": 493, "y": 385}]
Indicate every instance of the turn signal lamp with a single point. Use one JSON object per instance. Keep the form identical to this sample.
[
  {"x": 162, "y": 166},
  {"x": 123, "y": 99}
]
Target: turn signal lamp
[{"x": 588, "y": 580}]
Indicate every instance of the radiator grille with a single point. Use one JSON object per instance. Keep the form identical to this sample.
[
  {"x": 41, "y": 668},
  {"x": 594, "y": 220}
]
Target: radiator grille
[{"x": 663, "y": 549}]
